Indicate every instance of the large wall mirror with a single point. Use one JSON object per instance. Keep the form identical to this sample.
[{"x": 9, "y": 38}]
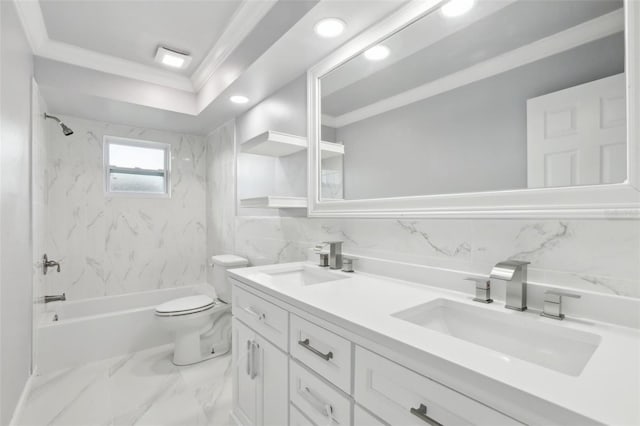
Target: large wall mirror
[{"x": 483, "y": 101}]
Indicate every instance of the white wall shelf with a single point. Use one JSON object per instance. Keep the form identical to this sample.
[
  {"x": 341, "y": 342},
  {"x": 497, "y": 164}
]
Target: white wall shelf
[
  {"x": 275, "y": 202},
  {"x": 331, "y": 149},
  {"x": 278, "y": 144},
  {"x": 274, "y": 144}
]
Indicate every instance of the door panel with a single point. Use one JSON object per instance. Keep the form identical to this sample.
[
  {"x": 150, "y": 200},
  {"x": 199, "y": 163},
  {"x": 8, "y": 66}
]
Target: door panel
[{"x": 577, "y": 136}]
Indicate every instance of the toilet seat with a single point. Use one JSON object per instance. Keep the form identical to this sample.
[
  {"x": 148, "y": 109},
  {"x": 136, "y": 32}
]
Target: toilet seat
[{"x": 186, "y": 305}]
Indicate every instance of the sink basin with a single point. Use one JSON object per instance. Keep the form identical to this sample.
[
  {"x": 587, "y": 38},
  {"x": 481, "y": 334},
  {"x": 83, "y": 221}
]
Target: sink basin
[
  {"x": 302, "y": 275},
  {"x": 527, "y": 338}
]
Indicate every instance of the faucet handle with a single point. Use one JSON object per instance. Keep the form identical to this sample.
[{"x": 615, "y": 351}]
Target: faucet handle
[
  {"x": 483, "y": 289},
  {"x": 552, "y": 307},
  {"x": 482, "y": 283}
]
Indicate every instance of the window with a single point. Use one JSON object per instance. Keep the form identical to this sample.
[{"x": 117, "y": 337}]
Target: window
[{"x": 136, "y": 167}]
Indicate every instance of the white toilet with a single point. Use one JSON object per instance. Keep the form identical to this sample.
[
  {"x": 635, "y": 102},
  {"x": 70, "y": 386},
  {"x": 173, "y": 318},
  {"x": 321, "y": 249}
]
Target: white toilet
[{"x": 202, "y": 325}]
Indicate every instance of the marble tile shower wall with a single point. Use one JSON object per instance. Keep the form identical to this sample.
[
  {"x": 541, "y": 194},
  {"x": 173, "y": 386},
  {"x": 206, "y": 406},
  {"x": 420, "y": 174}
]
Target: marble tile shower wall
[{"x": 114, "y": 245}]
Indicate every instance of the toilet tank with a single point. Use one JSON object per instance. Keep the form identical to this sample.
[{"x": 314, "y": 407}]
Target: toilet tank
[{"x": 220, "y": 265}]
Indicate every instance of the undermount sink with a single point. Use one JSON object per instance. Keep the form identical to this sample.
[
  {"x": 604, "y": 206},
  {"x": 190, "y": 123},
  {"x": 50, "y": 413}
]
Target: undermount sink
[
  {"x": 529, "y": 339},
  {"x": 302, "y": 275}
]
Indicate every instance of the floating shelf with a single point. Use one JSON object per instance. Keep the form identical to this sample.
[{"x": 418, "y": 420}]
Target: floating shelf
[
  {"x": 331, "y": 149},
  {"x": 275, "y": 202},
  {"x": 278, "y": 144},
  {"x": 274, "y": 144}
]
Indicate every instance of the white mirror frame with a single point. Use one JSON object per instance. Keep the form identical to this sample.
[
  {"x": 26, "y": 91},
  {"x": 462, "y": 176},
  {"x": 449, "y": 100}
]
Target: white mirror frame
[{"x": 612, "y": 201}]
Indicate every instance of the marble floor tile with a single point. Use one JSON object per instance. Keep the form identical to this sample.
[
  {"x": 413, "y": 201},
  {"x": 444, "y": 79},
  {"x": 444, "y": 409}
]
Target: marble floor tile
[{"x": 143, "y": 388}]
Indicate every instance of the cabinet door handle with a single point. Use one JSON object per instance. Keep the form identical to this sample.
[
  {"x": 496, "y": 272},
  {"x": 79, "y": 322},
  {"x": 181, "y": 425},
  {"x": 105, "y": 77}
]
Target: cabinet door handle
[
  {"x": 254, "y": 356},
  {"x": 249, "y": 360},
  {"x": 259, "y": 316},
  {"x": 421, "y": 413},
  {"x": 322, "y": 407},
  {"x": 305, "y": 344}
]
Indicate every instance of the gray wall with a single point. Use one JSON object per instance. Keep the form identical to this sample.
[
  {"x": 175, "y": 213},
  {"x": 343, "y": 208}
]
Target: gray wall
[
  {"x": 470, "y": 139},
  {"x": 260, "y": 175},
  {"x": 16, "y": 64}
]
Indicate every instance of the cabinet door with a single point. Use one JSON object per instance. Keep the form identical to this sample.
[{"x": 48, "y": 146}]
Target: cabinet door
[
  {"x": 272, "y": 376},
  {"x": 245, "y": 389}
]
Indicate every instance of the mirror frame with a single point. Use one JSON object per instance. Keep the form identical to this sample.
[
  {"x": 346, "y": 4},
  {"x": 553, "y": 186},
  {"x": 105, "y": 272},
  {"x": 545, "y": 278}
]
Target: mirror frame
[{"x": 611, "y": 201}]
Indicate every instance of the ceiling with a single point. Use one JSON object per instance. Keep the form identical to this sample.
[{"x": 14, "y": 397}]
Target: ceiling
[
  {"x": 436, "y": 47},
  {"x": 133, "y": 30},
  {"x": 94, "y": 58}
]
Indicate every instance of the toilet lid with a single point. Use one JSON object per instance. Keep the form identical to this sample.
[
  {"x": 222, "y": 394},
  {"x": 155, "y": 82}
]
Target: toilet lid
[{"x": 190, "y": 304}]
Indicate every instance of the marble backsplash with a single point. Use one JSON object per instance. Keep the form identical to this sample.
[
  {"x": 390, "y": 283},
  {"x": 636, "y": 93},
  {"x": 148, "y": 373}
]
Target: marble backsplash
[
  {"x": 114, "y": 245},
  {"x": 594, "y": 255}
]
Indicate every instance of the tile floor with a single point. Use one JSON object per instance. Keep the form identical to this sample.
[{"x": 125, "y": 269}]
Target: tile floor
[{"x": 143, "y": 388}]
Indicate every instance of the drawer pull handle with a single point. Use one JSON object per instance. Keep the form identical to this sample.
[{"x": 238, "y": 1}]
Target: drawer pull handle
[
  {"x": 322, "y": 407},
  {"x": 249, "y": 358},
  {"x": 305, "y": 344},
  {"x": 255, "y": 354},
  {"x": 421, "y": 413},
  {"x": 259, "y": 316}
]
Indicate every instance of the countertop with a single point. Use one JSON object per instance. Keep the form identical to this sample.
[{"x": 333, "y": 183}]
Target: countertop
[{"x": 607, "y": 390}]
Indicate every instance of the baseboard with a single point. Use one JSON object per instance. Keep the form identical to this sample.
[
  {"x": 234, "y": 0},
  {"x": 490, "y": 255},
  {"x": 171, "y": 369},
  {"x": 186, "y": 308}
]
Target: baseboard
[{"x": 23, "y": 400}]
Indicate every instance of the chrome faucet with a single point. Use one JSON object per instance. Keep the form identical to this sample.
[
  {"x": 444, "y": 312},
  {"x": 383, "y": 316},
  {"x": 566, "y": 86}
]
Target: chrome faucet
[
  {"x": 55, "y": 298},
  {"x": 335, "y": 254},
  {"x": 483, "y": 289},
  {"x": 553, "y": 304},
  {"x": 514, "y": 274},
  {"x": 46, "y": 264}
]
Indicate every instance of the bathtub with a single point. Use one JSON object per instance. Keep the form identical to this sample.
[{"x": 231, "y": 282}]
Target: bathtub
[{"x": 71, "y": 333}]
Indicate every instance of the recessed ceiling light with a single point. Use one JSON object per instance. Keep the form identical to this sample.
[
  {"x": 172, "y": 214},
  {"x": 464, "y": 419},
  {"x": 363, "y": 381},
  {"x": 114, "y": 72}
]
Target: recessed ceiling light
[
  {"x": 239, "y": 99},
  {"x": 172, "y": 58},
  {"x": 377, "y": 53},
  {"x": 457, "y": 7},
  {"x": 329, "y": 27}
]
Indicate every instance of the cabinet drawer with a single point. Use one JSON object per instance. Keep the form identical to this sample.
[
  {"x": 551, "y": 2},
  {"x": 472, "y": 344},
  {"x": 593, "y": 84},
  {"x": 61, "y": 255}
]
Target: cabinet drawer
[
  {"x": 296, "y": 418},
  {"x": 401, "y": 397},
  {"x": 269, "y": 320},
  {"x": 363, "y": 418},
  {"x": 316, "y": 399},
  {"x": 323, "y": 351}
]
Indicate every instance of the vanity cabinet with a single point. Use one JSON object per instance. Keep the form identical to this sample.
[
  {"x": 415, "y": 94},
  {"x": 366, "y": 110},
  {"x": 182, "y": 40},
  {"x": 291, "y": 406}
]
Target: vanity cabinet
[
  {"x": 290, "y": 370},
  {"x": 401, "y": 397},
  {"x": 260, "y": 379}
]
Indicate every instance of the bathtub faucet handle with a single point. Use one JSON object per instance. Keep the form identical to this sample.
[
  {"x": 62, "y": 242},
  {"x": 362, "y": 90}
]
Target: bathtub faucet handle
[{"x": 46, "y": 264}]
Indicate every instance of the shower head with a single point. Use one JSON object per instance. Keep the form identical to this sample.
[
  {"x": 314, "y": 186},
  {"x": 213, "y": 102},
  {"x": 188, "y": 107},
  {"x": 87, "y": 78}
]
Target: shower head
[{"x": 65, "y": 129}]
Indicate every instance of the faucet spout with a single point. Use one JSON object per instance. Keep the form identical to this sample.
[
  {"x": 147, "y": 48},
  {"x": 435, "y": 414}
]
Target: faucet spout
[
  {"x": 514, "y": 274},
  {"x": 335, "y": 254},
  {"x": 55, "y": 298}
]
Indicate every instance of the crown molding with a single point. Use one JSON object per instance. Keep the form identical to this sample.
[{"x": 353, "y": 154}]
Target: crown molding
[
  {"x": 586, "y": 32},
  {"x": 41, "y": 45},
  {"x": 243, "y": 21}
]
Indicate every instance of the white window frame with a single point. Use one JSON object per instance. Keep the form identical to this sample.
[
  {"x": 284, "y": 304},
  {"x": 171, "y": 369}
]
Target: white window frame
[{"x": 108, "y": 168}]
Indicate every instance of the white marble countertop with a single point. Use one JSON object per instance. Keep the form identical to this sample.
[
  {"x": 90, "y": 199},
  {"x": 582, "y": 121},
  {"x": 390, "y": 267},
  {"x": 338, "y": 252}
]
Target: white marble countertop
[{"x": 607, "y": 390}]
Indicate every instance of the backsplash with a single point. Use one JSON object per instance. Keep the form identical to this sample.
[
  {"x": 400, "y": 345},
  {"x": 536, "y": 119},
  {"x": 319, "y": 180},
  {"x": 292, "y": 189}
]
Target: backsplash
[{"x": 114, "y": 245}]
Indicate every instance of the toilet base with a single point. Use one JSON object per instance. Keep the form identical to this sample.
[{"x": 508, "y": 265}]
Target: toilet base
[{"x": 195, "y": 346}]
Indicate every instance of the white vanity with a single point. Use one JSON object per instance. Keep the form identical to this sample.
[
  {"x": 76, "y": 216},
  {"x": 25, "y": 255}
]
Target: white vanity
[{"x": 314, "y": 346}]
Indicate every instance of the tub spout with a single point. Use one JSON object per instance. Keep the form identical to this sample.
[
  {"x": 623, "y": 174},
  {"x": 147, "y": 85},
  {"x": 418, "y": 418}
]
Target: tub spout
[{"x": 55, "y": 298}]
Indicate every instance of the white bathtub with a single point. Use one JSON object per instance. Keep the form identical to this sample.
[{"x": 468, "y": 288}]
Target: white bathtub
[{"x": 93, "y": 329}]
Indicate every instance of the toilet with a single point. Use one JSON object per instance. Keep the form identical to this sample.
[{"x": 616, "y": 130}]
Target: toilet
[{"x": 201, "y": 325}]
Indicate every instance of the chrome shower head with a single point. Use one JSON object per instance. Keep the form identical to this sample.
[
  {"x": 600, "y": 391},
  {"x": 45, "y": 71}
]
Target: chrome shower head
[{"x": 65, "y": 129}]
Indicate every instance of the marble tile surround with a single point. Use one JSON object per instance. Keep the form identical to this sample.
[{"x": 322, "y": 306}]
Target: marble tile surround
[
  {"x": 114, "y": 245},
  {"x": 143, "y": 388}
]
